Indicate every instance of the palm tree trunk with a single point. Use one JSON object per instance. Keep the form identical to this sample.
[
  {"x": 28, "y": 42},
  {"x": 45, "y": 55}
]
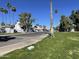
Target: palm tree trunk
[
  {"x": 13, "y": 18},
  {"x": 51, "y": 19}
]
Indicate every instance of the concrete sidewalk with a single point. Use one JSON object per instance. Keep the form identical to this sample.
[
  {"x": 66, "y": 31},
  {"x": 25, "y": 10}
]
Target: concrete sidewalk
[{"x": 9, "y": 48}]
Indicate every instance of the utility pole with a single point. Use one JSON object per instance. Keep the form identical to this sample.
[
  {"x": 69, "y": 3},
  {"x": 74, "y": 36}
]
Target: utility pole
[{"x": 51, "y": 19}]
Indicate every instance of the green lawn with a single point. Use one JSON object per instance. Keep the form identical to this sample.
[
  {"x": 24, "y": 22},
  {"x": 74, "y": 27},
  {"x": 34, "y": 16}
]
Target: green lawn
[{"x": 63, "y": 46}]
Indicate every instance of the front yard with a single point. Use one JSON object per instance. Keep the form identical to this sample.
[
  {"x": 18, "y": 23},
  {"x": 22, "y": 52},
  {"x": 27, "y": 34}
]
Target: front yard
[{"x": 63, "y": 46}]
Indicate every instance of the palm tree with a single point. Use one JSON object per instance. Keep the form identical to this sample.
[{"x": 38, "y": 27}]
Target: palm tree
[
  {"x": 12, "y": 8},
  {"x": 4, "y": 11},
  {"x": 9, "y": 7},
  {"x": 51, "y": 19}
]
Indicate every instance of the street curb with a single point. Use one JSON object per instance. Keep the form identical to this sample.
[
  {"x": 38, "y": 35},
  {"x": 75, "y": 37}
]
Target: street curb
[{"x": 9, "y": 48}]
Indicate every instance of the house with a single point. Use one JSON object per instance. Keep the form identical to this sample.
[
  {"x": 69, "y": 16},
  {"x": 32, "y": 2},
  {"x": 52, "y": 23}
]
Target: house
[{"x": 40, "y": 28}]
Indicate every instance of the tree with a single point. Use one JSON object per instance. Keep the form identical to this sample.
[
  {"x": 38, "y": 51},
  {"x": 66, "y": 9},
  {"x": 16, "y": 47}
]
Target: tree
[
  {"x": 56, "y": 11},
  {"x": 3, "y": 11},
  {"x": 26, "y": 21},
  {"x": 75, "y": 18},
  {"x": 51, "y": 19},
  {"x": 65, "y": 23},
  {"x": 12, "y": 8}
]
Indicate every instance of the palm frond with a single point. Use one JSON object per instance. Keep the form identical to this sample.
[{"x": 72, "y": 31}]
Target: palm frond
[
  {"x": 3, "y": 10},
  {"x": 13, "y": 9},
  {"x": 9, "y": 5}
]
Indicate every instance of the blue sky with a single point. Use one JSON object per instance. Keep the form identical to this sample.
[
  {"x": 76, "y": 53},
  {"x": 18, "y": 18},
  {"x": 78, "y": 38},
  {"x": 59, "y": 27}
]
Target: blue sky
[{"x": 40, "y": 10}]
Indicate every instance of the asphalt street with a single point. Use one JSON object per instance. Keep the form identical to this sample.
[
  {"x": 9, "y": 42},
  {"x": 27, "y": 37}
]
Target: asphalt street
[{"x": 19, "y": 38}]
